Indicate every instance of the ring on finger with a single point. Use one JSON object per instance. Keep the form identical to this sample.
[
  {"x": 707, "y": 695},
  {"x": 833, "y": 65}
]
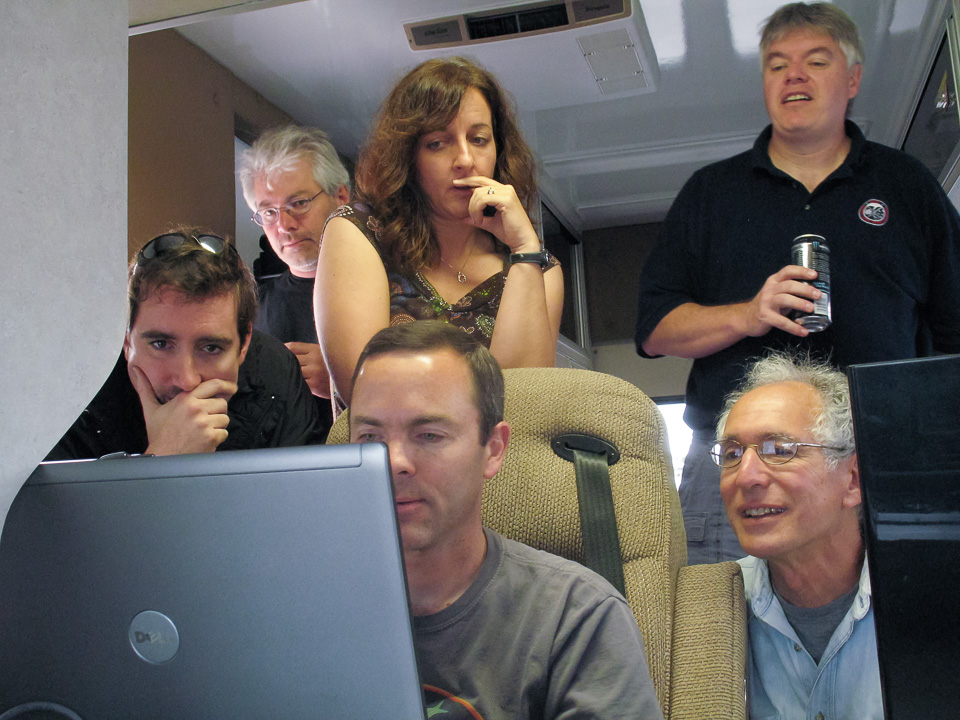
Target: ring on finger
[{"x": 490, "y": 191}]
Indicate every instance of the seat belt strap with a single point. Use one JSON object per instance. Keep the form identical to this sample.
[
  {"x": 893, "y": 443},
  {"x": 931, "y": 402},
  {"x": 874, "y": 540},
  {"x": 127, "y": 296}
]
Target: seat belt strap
[{"x": 591, "y": 459}]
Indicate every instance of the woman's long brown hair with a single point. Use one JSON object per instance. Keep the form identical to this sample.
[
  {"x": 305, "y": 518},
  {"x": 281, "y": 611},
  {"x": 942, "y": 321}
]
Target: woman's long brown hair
[{"x": 428, "y": 99}]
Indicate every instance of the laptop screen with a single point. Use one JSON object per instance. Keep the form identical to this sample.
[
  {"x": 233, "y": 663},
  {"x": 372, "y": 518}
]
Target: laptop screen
[
  {"x": 907, "y": 423},
  {"x": 246, "y": 584}
]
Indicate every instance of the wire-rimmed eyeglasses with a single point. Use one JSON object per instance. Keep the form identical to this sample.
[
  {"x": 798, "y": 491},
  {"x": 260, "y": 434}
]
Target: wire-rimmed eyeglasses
[
  {"x": 772, "y": 450},
  {"x": 296, "y": 208}
]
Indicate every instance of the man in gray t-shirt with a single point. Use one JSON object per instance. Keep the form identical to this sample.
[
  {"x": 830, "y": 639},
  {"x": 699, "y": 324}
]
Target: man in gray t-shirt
[{"x": 501, "y": 630}]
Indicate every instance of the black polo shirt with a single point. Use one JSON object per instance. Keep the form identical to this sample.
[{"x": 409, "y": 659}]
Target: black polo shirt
[{"x": 894, "y": 238}]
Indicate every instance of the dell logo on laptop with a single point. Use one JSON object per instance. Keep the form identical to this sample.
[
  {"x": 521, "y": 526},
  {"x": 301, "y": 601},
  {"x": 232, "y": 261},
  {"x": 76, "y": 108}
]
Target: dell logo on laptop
[{"x": 154, "y": 637}]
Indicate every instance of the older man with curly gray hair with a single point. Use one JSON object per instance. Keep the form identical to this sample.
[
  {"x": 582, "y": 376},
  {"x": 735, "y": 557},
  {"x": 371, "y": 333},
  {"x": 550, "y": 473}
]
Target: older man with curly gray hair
[
  {"x": 292, "y": 179},
  {"x": 790, "y": 482}
]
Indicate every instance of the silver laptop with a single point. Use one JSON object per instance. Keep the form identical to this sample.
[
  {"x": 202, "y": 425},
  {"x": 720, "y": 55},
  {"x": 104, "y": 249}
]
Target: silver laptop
[{"x": 246, "y": 584}]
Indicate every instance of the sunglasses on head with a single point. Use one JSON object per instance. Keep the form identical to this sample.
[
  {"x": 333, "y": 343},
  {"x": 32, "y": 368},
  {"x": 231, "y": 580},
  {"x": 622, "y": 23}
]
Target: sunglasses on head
[
  {"x": 170, "y": 241},
  {"x": 167, "y": 242}
]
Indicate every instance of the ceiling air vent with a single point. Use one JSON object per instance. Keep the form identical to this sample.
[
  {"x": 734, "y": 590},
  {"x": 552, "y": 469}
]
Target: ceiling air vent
[
  {"x": 534, "y": 19},
  {"x": 550, "y": 54}
]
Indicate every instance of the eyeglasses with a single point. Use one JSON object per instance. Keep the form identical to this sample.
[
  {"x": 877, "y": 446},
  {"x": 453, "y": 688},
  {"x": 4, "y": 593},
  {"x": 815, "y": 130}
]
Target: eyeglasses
[
  {"x": 773, "y": 451},
  {"x": 170, "y": 241},
  {"x": 296, "y": 208}
]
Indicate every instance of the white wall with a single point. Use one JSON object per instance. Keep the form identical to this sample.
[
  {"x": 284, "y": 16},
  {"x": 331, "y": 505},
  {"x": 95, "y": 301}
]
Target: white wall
[{"x": 63, "y": 200}]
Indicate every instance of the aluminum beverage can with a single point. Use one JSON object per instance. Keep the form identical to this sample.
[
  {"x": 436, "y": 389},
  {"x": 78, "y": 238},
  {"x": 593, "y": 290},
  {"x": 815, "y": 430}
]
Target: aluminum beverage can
[{"x": 811, "y": 251}]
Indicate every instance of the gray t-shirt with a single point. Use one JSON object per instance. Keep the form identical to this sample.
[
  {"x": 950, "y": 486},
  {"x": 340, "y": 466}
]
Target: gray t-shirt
[
  {"x": 815, "y": 626},
  {"x": 534, "y": 636}
]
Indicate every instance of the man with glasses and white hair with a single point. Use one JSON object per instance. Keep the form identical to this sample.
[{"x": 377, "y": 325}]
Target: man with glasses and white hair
[
  {"x": 194, "y": 376},
  {"x": 791, "y": 486},
  {"x": 292, "y": 179}
]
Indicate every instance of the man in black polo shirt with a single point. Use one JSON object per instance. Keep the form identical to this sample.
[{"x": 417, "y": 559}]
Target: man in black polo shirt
[
  {"x": 292, "y": 179},
  {"x": 719, "y": 285}
]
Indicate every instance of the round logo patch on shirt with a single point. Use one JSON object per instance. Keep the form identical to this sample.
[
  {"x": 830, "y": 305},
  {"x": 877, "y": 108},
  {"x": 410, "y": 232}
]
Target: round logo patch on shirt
[{"x": 874, "y": 212}]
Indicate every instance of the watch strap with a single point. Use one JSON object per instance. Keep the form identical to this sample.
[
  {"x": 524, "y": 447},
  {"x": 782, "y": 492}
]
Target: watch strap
[{"x": 540, "y": 258}]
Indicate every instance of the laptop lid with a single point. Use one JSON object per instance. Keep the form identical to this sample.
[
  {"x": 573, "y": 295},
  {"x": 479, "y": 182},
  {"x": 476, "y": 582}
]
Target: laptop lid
[
  {"x": 907, "y": 423},
  {"x": 245, "y": 584}
]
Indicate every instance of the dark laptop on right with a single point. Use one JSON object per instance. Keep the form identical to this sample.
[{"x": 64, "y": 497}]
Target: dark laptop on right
[{"x": 907, "y": 423}]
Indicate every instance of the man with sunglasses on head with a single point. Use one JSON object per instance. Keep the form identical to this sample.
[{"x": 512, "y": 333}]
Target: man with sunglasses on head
[
  {"x": 292, "y": 179},
  {"x": 790, "y": 483},
  {"x": 194, "y": 376}
]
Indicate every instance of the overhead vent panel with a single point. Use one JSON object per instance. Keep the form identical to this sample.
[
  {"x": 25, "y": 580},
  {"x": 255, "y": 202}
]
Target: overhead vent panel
[
  {"x": 550, "y": 54},
  {"x": 547, "y": 17}
]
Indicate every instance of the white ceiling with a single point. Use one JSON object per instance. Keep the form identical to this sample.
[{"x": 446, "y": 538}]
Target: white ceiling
[{"x": 606, "y": 161}]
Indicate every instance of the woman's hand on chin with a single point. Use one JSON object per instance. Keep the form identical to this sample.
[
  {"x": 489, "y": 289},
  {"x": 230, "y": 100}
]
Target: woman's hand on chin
[{"x": 495, "y": 207}]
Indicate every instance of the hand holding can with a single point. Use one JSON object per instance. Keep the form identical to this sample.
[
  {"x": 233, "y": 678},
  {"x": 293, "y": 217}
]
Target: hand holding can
[{"x": 811, "y": 251}]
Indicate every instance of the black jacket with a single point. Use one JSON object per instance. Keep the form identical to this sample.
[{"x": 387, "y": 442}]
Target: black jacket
[{"x": 273, "y": 407}]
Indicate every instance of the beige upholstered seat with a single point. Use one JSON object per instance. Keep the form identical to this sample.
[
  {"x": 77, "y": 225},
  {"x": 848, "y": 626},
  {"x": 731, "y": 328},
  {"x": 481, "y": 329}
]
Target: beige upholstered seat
[{"x": 692, "y": 618}]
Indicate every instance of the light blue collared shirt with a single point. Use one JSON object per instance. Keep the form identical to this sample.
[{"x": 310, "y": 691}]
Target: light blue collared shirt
[{"x": 785, "y": 682}]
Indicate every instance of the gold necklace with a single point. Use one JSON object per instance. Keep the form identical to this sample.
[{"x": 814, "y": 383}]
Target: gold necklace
[{"x": 461, "y": 278}]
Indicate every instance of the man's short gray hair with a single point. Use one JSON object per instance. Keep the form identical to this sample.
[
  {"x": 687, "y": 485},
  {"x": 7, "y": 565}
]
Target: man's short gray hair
[
  {"x": 833, "y": 424},
  {"x": 819, "y": 17},
  {"x": 280, "y": 149}
]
